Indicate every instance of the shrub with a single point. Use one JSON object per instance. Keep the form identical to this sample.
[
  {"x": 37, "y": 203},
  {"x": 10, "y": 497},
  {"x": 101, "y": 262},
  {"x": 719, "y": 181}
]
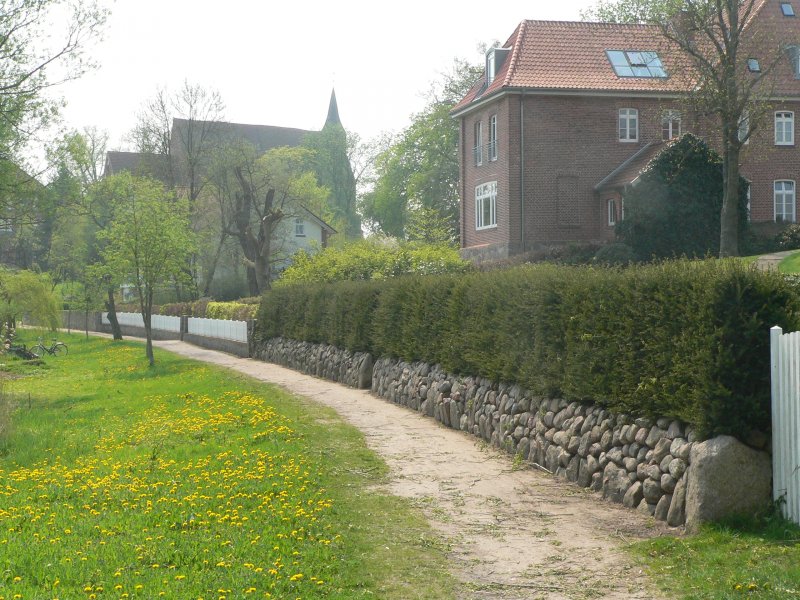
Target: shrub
[
  {"x": 370, "y": 259},
  {"x": 615, "y": 254},
  {"x": 687, "y": 340},
  {"x": 230, "y": 311},
  {"x": 241, "y": 310},
  {"x": 789, "y": 238},
  {"x": 674, "y": 209}
]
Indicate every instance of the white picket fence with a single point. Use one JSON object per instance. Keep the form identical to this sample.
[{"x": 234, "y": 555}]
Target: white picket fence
[
  {"x": 213, "y": 328},
  {"x": 785, "y": 356},
  {"x": 165, "y": 323},
  {"x": 129, "y": 319},
  {"x": 217, "y": 328}
]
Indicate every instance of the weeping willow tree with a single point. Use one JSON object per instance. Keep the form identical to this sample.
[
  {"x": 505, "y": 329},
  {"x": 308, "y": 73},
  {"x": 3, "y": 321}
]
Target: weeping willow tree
[{"x": 29, "y": 295}]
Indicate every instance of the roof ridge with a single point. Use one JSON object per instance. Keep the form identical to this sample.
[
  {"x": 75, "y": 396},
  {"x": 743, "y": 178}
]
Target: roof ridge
[
  {"x": 515, "y": 54},
  {"x": 591, "y": 23},
  {"x": 243, "y": 124},
  {"x": 627, "y": 162}
]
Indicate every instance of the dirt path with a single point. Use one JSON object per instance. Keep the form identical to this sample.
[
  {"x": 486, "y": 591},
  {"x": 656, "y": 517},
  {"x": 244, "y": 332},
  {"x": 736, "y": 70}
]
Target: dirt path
[
  {"x": 768, "y": 262},
  {"x": 514, "y": 533}
]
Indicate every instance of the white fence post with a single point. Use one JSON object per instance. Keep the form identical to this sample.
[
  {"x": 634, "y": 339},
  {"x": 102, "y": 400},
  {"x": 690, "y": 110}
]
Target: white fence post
[{"x": 785, "y": 371}]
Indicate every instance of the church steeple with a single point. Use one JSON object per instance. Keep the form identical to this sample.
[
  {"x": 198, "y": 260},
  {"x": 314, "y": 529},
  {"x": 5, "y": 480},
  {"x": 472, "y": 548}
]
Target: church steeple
[{"x": 333, "y": 111}]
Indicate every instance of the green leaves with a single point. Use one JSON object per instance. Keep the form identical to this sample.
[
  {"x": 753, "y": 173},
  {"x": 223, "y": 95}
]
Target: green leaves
[
  {"x": 684, "y": 339},
  {"x": 149, "y": 240},
  {"x": 674, "y": 209}
]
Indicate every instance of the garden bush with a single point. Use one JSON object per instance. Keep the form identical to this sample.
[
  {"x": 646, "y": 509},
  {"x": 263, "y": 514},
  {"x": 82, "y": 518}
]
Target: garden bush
[
  {"x": 684, "y": 339},
  {"x": 674, "y": 208},
  {"x": 789, "y": 238},
  {"x": 231, "y": 311},
  {"x": 614, "y": 254},
  {"x": 371, "y": 259},
  {"x": 241, "y": 310}
]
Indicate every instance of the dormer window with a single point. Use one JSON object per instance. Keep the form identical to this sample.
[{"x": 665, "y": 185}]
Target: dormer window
[
  {"x": 495, "y": 58},
  {"x": 753, "y": 65},
  {"x": 636, "y": 63},
  {"x": 787, "y": 9}
]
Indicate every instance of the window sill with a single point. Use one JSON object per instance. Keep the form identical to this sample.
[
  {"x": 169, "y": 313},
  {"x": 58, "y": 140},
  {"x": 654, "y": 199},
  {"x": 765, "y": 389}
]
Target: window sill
[
  {"x": 785, "y": 144},
  {"x": 486, "y": 227},
  {"x": 628, "y": 141}
]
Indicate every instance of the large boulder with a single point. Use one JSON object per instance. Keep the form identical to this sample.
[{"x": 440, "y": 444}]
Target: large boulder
[
  {"x": 724, "y": 478},
  {"x": 615, "y": 482}
]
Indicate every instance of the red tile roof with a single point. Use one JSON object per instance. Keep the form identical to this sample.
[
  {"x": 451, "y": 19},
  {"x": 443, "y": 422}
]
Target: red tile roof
[
  {"x": 571, "y": 56},
  {"x": 631, "y": 168}
]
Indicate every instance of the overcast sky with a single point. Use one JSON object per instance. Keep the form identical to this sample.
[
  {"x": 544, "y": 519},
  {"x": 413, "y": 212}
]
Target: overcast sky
[{"x": 274, "y": 63}]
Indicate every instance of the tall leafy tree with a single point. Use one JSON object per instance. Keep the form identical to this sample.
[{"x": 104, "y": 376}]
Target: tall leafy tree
[
  {"x": 674, "y": 208},
  {"x": 716, "y": 38},
  {"x": 149, "y": 240},
  {"x": 182, "y": 129},
  {"x": 258, "y": 196},
  {"x": 34, "y": 46},
  {"x": 333, "y": 147},
  {"x": 419, "y": 169}
]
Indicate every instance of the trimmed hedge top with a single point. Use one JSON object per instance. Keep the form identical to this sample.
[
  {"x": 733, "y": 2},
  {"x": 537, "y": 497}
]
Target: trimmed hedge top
[{"x": 687, "y": 340}]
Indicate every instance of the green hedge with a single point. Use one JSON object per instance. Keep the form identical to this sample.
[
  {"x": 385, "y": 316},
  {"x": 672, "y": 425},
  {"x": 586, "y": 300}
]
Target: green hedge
[
  {"x": 371, "y": 259},
  {"x": 688, "y": 340},
  {"x": 241, "y": 310}
]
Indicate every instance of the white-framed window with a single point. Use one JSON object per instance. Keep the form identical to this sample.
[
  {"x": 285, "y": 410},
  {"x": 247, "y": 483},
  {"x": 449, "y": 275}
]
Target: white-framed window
[
  {"x": 744, "y": 129},
  {"x": 749, "y": 188},
  {"x": 628, "y": 125},
  {"x": 486, "y": 205},
  {"x": 785, "y": 201},
  {"x": 493, "y": 137},
  {"x": 670, "y": 125},
  {"x": 299, "y": 228},
  {"x": 478, "y": 148},
  {"x": 794, "y": 56},
  {"x": 611, "y": 204},
  {"x": 784, "y": 128}
]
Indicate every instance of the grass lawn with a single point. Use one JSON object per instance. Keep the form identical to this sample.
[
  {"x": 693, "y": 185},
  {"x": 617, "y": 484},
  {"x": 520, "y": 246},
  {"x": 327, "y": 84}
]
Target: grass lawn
[
  {"x": 186, "y": 481},
  {"x": 790, "y": 264},
  {"x": 756, "y": 558}
]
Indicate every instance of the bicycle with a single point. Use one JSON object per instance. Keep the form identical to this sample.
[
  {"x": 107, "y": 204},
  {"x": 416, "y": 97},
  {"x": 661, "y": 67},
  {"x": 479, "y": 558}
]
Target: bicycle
[
  {"x": 56, "y": 348},
  {"x": 21, "y": 351}
]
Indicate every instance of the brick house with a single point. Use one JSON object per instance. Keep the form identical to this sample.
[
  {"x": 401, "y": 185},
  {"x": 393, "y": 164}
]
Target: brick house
[{"x": 567, "y": 114}]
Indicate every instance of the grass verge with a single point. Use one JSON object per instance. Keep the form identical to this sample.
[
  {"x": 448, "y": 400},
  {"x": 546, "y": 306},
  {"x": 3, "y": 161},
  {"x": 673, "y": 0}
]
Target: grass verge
[
  {"x": 744, "y": 558},
  {"x": 790, "y": 264},
  {"x": 187, "y": 481}
]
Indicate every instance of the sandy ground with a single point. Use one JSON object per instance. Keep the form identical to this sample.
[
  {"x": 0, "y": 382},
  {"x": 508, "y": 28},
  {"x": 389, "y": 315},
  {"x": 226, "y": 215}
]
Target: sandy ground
[{"x": 513, "y": 532}]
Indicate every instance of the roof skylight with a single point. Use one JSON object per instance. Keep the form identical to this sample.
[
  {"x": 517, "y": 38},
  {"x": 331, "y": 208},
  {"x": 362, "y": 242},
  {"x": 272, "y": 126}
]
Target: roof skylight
[
  {"x": 636, "y": 63},
  {"x": 788, "y": 9},
  {"x": 753, "y": 65}
]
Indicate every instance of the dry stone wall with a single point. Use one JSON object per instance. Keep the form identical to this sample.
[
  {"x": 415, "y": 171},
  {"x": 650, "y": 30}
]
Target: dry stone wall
[
  {"x": 637, "y": 462},
  {"x": 329, "y": 362},
  {"x": 648, "y": 465}
]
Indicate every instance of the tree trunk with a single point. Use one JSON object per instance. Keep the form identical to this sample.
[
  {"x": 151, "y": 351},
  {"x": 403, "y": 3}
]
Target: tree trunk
[
  {"x": 252, "y": 282},
  {"x": 147, "y": 317},
  {"x": 729, "y": 217},
  {"x": 111, "y": 307},
  {"x": 213, "y": 268}
]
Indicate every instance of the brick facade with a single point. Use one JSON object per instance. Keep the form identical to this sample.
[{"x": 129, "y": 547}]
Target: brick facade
[{"x": 558, "y": 145}]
